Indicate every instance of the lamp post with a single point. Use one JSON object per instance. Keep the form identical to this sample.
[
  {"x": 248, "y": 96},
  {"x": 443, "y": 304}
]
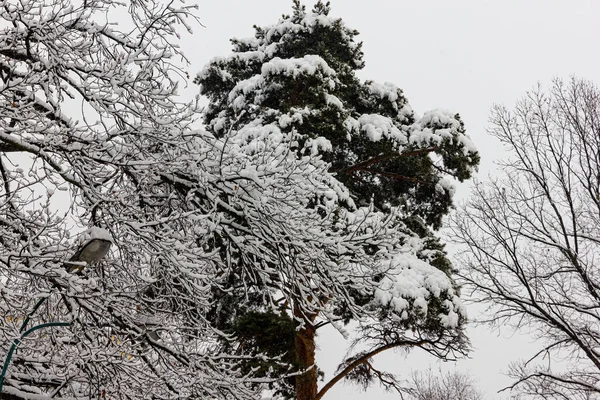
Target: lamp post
[{"x": 95, "y": 244}]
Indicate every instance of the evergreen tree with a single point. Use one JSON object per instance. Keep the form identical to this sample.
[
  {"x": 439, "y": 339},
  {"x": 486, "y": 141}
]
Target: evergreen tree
[{"x": 298, "y": 79}]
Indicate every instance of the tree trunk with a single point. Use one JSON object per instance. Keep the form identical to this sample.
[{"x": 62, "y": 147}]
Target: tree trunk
[{"x": 306, "y": 384}]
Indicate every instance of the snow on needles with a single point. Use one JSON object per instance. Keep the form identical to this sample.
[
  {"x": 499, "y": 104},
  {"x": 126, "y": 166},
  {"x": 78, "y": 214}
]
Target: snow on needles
[
  {"x": 308, "y": 64},
  {"x": 387, "y": 90},
  {"x": 292, "y": 67},
  {"x": 377, "y": 126},
  {"x": 412, "y": 283},
  {"x": 436, "y": 126}
]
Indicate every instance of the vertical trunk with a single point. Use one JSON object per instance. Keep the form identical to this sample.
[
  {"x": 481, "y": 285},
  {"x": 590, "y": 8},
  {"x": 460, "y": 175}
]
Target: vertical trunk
[
  {"x": 304, "y": 343},
  {"x": 306, "y": 384}
]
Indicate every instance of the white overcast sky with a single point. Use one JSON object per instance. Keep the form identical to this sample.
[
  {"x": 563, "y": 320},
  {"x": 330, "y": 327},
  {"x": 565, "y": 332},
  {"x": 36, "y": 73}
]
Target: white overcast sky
[{"x": 454, "y": 54}]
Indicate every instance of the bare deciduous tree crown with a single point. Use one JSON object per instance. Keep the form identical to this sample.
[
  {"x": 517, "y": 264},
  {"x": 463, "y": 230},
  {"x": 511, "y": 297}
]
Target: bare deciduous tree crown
[{"x": 533, "y": 235}]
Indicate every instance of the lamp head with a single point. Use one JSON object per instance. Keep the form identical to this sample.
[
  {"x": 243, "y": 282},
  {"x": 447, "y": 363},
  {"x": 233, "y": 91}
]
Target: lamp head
[{"x": 96, "y": 244}]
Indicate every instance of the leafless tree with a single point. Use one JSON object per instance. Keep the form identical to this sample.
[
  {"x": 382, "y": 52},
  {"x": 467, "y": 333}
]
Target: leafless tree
[
  {"x": 88, "y": 123},
  {"x": 533, "y": 235},
  {"x": 452, "y": 385}
]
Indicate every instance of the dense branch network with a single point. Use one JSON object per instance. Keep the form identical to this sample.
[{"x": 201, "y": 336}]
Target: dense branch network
[
  {"x": 309, "y": 201},
  {"x": 357, "y": 243},
  {"x": 532, "y": 236},
  {"x": 88, "y": 125}
]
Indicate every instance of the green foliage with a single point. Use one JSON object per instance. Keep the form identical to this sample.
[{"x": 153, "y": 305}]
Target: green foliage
[
  {"x": 300, "y": 75},
  {"x": 269, "y": 338},
  {"x": 391, "y": 173}
]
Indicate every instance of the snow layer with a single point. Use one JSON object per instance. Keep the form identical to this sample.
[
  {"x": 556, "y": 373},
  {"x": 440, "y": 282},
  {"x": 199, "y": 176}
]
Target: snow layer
[
  {"x": 94, "y": 233},
  {"x": 412, "y": 283}
]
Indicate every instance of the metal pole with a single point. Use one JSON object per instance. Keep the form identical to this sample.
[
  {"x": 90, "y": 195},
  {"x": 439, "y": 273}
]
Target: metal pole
[
  {"x": 24, "y": 335},
  {"x": 92, "y": 251}
]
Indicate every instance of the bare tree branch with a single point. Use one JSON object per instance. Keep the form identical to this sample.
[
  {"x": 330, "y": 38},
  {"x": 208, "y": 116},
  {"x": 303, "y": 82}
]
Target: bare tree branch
[{"x": 533, "y": 236}]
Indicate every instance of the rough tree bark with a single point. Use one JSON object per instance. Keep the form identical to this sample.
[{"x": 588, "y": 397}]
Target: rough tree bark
[{"x": 306, "y": 383}]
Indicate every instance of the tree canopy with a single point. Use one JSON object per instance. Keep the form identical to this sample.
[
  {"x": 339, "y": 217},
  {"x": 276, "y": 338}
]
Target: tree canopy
[
  {"x": 89, "y": 127},
  {"x": 387, "y": 184},
  {"x": 532, "y": 238}
]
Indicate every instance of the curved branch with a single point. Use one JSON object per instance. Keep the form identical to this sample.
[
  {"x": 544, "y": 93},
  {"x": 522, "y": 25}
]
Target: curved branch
[{"x": 363, "y": 359}]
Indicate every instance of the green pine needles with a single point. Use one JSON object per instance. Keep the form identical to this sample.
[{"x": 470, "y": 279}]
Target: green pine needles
[{"x": 297, "y": 79}]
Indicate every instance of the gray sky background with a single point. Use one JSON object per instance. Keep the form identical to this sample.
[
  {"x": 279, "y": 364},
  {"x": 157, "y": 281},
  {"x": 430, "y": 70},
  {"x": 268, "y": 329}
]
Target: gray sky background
[{"x": 461, "y": 55}]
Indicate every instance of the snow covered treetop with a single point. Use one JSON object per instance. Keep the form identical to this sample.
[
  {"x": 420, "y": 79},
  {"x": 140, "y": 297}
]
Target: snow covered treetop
[{"x": 299, "y": 75}]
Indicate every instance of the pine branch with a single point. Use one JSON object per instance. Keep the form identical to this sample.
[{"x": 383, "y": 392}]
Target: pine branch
[
  {"x": 361, "y": 166},
  {"x": 365, "y": 359}
]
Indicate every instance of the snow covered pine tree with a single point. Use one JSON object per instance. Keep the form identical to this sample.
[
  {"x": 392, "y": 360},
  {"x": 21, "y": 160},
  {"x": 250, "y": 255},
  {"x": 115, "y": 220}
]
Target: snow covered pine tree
[{"x": 350, "y": 225}]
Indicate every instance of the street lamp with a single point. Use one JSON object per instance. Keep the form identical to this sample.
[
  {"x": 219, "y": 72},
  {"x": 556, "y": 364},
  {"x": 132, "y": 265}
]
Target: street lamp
[{"x": 94, "y": 245}]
